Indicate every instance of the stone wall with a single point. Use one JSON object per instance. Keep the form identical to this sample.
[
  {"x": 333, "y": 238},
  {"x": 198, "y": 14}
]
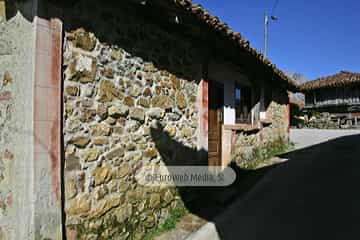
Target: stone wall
[
  {"x": 327, "y": 120},
  {"x": 273, "y": 134},
  {"x": 112, "y": 99}
]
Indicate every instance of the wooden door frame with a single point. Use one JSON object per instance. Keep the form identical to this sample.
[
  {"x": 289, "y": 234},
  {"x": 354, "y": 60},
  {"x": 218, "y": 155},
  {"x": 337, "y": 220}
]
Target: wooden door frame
[{"x": 220, "y": 86}]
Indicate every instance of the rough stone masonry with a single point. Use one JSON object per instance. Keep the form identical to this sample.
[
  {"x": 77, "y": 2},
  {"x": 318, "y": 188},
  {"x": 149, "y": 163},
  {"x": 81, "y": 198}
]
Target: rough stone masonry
[
  {"x": 111, "y": 101},
  {"x": 258, "y": 145}
]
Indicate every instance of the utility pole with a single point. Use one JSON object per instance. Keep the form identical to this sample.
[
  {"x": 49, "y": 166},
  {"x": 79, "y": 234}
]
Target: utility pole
[
  {"x": 266, "y": 41},
  {"x": 266, "y": 29},
  {"x": 266, "y": 32}
]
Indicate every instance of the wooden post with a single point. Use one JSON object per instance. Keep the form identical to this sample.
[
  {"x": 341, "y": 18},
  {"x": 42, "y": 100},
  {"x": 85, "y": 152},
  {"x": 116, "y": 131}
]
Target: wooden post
[
  {"x": 2, "y": 11},
  {"x": 203, "y": 106}
]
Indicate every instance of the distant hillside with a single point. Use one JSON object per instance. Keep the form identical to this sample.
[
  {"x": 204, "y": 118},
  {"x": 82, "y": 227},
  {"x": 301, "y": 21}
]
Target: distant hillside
[{"x": 300, "y": 78}]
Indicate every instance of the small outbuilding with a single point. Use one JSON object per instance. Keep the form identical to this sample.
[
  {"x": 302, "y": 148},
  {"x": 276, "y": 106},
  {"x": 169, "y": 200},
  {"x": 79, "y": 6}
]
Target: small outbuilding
[{"x": 336, "y": 96}]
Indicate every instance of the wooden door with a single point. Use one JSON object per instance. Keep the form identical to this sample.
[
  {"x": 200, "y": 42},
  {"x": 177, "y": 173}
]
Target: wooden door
[{"x": 216, "y": 100}]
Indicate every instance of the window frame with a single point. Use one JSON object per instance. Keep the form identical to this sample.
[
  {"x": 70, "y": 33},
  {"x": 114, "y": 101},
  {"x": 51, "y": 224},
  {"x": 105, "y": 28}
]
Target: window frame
[{"x": 246, "y": 94}]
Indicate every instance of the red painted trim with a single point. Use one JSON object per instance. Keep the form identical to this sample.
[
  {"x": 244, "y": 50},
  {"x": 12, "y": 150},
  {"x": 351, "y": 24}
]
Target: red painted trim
[
  {"x": 56, "y": 50},
  {"x": 203, "y": 115},
  {"x": 47, "y": 99},
  {"x": 205, "y": 106}
]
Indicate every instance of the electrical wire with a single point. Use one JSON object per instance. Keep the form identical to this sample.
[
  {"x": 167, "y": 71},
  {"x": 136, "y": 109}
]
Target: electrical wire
[{"x": 276, "y": 3}]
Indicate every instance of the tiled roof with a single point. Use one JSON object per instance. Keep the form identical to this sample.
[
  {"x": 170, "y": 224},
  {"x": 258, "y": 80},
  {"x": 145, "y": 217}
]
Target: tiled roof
[
  {"x": 343, "y": 78},
  {"x": 214, "y": 22}
]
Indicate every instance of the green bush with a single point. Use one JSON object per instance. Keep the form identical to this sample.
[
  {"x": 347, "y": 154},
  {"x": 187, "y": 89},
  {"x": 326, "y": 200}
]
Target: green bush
[{"x": 169, "y": 224}]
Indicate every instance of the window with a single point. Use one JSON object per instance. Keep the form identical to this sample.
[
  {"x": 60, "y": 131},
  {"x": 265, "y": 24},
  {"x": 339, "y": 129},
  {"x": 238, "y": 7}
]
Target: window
[
  {"x": 309, "y": 98},
  {"x": 243, "y": 104}
]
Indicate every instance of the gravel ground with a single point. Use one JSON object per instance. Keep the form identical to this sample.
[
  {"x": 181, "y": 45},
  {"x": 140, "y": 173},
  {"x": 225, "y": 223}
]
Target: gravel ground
[{"x": 308, "y": 137}]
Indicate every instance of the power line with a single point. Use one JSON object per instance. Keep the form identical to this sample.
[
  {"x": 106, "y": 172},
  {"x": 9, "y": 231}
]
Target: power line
[
  {"x": 276, "y": 3},
  {"x": 266, "y": 25}
]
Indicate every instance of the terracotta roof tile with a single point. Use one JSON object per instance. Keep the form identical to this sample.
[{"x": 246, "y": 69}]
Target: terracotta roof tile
[
  {"x": 214, "y": 22},
  {"x": 343, "y": 78}
]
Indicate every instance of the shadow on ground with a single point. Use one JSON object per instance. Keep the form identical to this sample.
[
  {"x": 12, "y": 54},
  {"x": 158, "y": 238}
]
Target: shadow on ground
[
  {"x": 314, "y": 195},
  {"x": 205, "y": 202}
]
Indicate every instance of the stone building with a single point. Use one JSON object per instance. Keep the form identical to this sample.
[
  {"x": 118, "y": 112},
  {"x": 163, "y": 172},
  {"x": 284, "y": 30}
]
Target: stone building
[
  {"x": 337, "y": 97},
  {"x": 131, "y": 84}
]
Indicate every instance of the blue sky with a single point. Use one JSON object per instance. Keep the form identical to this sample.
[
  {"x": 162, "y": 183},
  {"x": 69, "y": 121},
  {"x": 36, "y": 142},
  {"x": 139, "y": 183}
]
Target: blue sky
[{"x": 315, "y": 38}]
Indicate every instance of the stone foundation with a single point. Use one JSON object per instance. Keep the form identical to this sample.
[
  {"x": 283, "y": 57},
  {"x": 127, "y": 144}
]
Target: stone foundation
[
  {"x": 255, "y": 145},
  {"x": 326, "y": 120}
]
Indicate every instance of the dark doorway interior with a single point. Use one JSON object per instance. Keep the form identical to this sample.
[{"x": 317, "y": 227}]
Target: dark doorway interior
[{"x": 216, "y": 103}]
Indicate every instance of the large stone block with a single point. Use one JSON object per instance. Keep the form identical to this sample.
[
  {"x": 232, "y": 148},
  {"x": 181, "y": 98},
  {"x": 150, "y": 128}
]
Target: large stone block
[
  {"x": 181, "y": 100},
  {"x": 137, "y": 114},
  {"x": 163, "y": 102},
  {"x": 91, "y": 155},
  {"x": 72, "y": 90},
  {"x": 105, "y": 206},
  {"x": 156, "y": 113},
  {"x": 83, "y": 69},
  {"x": 115, "y": 153},
  {"x": 100, "y": 130},
  {"x": 72, "y": 162},
  {"x": 79, "y": 205},
  {"x": 102, "y": 175},
  {"x": 108, "y": 91},
  {"x": 82, "y": 39},
  {"x": 118, "y": 111},
  {"x": 80, "y": 141}
]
